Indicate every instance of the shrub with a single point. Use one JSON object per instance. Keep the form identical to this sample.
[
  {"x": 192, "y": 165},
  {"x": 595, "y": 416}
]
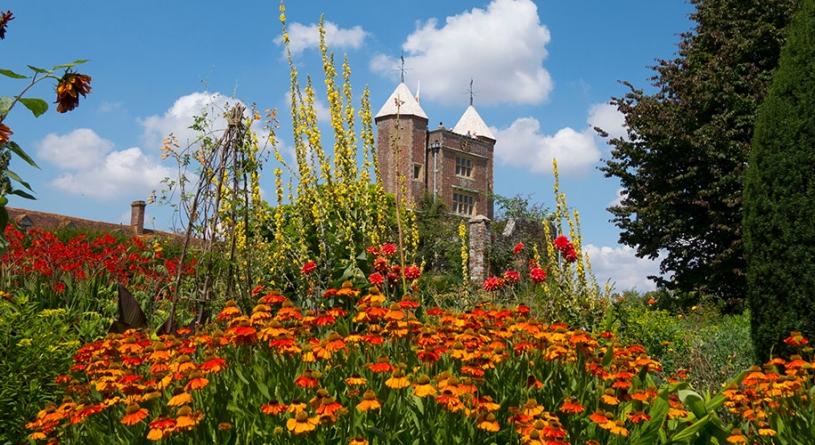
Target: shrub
[
  {"x": 779, "y": 217},
  {"x": 36, "y": 345}
]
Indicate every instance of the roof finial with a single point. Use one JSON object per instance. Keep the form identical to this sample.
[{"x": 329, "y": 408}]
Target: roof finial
[
  {"x": 402, "y": 58},
  {"x": 471, "y": 91}
]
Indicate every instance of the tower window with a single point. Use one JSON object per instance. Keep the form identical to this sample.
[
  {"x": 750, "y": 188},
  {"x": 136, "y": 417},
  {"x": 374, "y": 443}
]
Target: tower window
[
  {"x": 464, "y": 167},
  {"x": 417, "y": 172},
  {"x": 463, "y": 203}
]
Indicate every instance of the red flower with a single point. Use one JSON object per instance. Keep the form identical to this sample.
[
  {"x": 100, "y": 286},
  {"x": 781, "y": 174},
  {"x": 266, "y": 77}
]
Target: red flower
[
  {"x": 493, "y": 284},
  {"x": 372, "y": 250},
  {"x": 388, "y": 249},
  {"x": 309, "y": 267},
  {"x": 562, "y": 242},
  {"x": 512, "y": 277},
  {"x": 376, "y": 278},
  {"x": 518, "y": 248},
  {"x": 412, "y": 272},
  {"x": 537, "y": 274}
]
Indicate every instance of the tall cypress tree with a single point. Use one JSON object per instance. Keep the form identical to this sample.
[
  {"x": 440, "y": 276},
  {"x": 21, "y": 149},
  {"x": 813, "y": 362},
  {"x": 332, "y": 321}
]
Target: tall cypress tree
[{"x": 779, "y": 197}]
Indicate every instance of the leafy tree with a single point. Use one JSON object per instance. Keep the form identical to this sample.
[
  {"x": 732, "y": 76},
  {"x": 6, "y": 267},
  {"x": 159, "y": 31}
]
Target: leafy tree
[
  {"x": 682, "y": 163},
  {"x": 779, "y": 197}
]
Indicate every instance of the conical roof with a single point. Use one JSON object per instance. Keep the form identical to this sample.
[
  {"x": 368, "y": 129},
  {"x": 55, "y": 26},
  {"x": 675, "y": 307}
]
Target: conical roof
[
  {"x": 471, "y": 124},
  {"x": 409, "y": 106}
]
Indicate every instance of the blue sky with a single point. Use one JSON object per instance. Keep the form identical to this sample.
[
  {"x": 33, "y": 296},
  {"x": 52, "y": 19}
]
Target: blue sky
[{"x": 542, "y": 71}]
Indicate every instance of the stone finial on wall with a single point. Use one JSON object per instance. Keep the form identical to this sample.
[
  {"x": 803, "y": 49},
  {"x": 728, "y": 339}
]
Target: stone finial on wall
[{"x": 480, "y": 239}]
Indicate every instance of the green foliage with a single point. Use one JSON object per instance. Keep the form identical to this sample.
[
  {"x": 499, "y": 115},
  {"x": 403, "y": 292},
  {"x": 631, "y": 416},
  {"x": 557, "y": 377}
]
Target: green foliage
[
  {"x": 710, "y": 346},
  {"x": 682, "y": 163},
  {"x": 527, "y": 219},
  {"x": 35, "y": 346},
  {"x": 779, "y": 220}
]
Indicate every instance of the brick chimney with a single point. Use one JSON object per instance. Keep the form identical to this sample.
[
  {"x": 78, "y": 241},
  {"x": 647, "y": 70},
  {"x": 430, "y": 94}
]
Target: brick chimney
[{"x": 137, "y": 216}]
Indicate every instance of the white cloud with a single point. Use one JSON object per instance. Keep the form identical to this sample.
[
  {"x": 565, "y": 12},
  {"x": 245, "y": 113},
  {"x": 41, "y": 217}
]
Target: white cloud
[
  {"x": 127, "y": 172},
  {"x": 622, "y": 267},
  {"x": 608, "y": 118},
  {"x": 619, "y": 198},
  {"x": 501, "y": 47},
  {"x": 178, "y": 119},
  {"x": 302, "y": 37},
  {"x": 523, "y": 145},
  {"x": 78, "y": 149}
]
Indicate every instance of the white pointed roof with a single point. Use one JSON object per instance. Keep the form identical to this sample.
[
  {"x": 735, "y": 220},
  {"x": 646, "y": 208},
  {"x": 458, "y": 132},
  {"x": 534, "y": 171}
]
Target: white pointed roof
[
  {"x": 471, "y": 124},
  {"x": 409, "y": 105}
]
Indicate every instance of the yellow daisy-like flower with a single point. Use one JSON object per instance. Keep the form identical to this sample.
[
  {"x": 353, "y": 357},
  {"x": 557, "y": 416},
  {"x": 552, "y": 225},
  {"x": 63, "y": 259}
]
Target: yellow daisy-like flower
[
  {"x": 302, "y": 423},
  {"x": 368, "y": 402}
]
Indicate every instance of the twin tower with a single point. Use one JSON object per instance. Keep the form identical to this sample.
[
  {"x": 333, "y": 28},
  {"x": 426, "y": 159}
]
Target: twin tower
[{"x": 454, "y": 166}]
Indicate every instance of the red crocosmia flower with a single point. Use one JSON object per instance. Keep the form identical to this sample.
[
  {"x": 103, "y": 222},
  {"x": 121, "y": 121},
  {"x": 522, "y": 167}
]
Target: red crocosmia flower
[
  {"x": 380, "y": 367},
  {"x": 412, "y": 272},
  {"x": 537, "y": 274},
  {"x": 388, "y": 249},
  {"x": 512, "y": 277},
  {"x": 59, "y": 287},
  {"x": 570, "y": 255},
  {"x": 309, "y": 267},
  {"x": 376, "y": 278},
  {"x": 372, "y": 250},
  {"x": 493, "y": 284},
  {"x": 523, "y": 309},
  {"x": 518, "y": 248}
]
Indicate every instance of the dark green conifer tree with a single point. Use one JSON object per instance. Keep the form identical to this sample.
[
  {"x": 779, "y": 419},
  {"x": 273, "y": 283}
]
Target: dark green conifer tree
[{"x": 779, "y": 197}]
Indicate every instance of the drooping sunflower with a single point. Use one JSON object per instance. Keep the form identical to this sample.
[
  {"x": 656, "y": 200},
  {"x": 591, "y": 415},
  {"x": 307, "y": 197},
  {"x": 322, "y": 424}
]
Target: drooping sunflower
[
  {"x": 5, "y": 133},
  {"x": 368, "y": 402},
  {"x": 69, "y": 88}
]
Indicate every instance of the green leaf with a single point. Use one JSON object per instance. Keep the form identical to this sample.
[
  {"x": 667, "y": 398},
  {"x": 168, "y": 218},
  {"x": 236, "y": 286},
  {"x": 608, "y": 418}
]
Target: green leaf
[
  {"x": 694, "y": 401},
  {"x": 38, "y": 70},
  {"x": 691, "y": 431},
  {"x": 21, "y": 153},
  {"x": 23, "y": 194},
  {"x": 5, "y": 104},
  {"x": 70, "y": 65},
  {"x": 12, "y": 74},
  {"x": 17, "y": 178},
  {"x": 36, "y": 106}
]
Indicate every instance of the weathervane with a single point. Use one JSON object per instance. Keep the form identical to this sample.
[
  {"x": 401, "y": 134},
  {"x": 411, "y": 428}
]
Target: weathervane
[{"x": 402, "y": 70}]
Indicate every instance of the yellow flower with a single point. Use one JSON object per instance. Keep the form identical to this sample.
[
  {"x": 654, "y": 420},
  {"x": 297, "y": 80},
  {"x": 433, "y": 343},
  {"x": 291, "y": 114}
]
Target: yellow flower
[
  {"x": 368, "y": 402},
  {"x": 302, "y": 423}
]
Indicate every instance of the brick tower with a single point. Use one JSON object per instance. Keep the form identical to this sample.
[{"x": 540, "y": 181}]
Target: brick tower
[{"x": 455, "y": 166}]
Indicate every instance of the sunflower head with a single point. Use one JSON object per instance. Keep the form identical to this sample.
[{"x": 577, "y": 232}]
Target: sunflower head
[{"x": 69, "y": 88}]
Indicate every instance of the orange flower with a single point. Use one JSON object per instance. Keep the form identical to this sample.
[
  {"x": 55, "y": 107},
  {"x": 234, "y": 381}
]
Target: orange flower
[
  {"x": 736, "y": 437},
  {"x": 423, "y": 388},
  {"x": 571, "y": 406},
  {"x": 196, "y": 382},
  {"x": 273, "y": 408},
  {"x": 302, "y": 423},
  {"x": 358, "y": 441},
  {"x": 368, "y": 402},
  {"x": 179, "y": 399},
  {"x": 69, "y": 88},
  {"x": 488, "y": 423},
  {"x": 215, "y": 364},
  {"x": 161, "y": 428},
  {"x": 187, "y": 419},
  {"x": 355, "y": 380},
  {"x": 134, "y": 414},
  {"x": 5, "y": 133},
  {"x": 306, "y": 380},
  {"x": 397, "y": 380}
]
